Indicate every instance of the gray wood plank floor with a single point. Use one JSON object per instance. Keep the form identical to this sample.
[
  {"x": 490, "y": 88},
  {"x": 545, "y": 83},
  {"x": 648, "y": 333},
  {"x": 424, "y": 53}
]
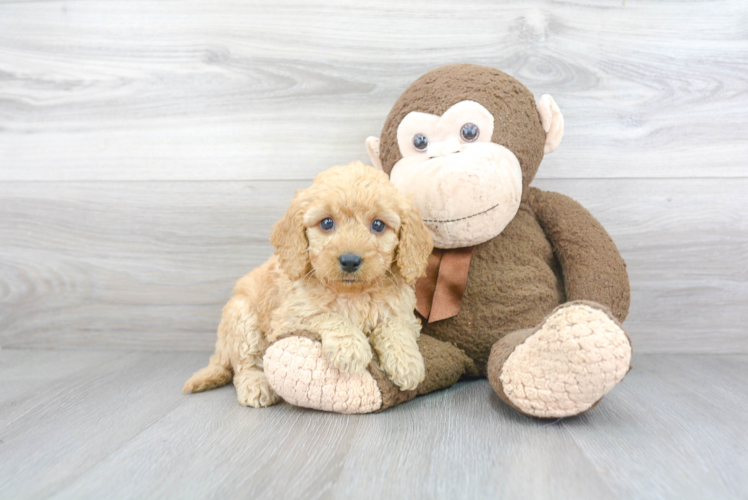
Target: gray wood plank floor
[{"x": 109, "y": 424}]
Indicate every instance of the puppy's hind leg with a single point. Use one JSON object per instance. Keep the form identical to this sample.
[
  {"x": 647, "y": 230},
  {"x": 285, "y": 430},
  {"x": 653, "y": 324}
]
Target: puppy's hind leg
[
  {"x": 253, "y": 389},
  {"x": 252, "y": 386},
  {"x": 241, "y": 327}
]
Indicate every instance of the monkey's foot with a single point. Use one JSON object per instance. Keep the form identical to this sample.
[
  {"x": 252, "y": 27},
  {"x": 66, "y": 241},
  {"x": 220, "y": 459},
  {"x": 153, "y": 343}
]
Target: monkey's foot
[
  {"x": 564, "y": 366},
  {"x": 301, "y": 374}
]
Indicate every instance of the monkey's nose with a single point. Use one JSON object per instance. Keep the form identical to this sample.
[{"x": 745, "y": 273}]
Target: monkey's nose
[
  {"x": 349, "y": 262},
  {"x": 444, "y": 148}
]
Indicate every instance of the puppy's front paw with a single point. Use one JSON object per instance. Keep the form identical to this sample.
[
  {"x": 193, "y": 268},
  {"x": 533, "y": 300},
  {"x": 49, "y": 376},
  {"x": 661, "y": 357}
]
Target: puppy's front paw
[
  {"x": 404, "y": 367},
  {"x": 253, "y": 389},
  {"x": 348, "y": 351}
]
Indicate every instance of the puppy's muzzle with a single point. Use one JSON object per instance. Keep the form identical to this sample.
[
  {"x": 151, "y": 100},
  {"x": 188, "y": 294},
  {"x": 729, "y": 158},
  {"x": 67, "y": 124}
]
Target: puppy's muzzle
[{"x": 350, "y": 262}]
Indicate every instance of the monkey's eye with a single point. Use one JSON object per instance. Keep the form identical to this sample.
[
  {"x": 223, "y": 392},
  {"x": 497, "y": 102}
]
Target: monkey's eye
[
  {"x": 469, "y": 132},
  {"x": 421, "y": 142},
  {"x": 326, "y": 224},
  {"x": 378, "y": 226}
]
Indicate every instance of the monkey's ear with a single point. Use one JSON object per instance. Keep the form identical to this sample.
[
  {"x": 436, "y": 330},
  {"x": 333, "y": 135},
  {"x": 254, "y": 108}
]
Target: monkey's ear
[
  {"x": 552, "y": 121},
  {"x": 289, "y": 239},
  {"x": 372, "y": 146}
]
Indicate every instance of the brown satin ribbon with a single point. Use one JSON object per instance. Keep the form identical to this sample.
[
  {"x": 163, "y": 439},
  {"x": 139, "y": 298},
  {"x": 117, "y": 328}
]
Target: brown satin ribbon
[{"x": 439, "y": 293}]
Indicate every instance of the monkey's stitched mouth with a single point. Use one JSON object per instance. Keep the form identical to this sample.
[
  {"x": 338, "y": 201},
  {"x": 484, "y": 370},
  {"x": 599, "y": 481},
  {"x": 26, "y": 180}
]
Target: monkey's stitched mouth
[{"x": 463, "y": 218}]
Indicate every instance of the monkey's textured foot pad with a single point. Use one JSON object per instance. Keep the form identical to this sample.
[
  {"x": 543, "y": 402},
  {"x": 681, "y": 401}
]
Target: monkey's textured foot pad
[
  {"x": 568, "y": 364},
  {"x": 301, "y": 374}
]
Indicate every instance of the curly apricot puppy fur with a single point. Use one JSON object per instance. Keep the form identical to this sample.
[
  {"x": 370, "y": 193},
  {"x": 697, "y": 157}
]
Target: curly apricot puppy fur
[{"x": 348, "y": 253}]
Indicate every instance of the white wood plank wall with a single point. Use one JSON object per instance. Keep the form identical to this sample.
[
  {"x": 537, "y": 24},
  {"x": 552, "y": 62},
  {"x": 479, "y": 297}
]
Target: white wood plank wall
[{"x": 146, "y": 147}]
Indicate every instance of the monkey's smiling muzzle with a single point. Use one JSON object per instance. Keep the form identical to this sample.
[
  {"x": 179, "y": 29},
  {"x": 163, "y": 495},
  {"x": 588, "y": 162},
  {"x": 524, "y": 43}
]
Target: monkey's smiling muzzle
[{"x": 467, "y": 193}]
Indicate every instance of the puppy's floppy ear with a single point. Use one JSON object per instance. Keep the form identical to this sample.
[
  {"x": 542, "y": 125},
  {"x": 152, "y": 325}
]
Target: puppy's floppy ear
[
  {"x": 289, "y": 239},
  {"x": 415, "y": 246}
]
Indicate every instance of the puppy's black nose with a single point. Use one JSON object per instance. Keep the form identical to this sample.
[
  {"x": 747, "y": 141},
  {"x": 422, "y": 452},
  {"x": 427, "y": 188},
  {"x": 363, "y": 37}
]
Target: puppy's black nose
[{"x": 349, "y": 262}]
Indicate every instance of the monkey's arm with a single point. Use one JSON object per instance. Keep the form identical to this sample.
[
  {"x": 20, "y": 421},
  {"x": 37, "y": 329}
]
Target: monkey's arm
[{"x": 592, "y": 267}]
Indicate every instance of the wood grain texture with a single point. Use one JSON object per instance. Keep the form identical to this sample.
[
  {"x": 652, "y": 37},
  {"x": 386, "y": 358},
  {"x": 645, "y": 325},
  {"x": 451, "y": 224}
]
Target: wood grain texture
[
  {"x": 83, "y": 418},
  {"x": 30, "y": 378},
  {"x": 225, "y": 90},
  {"x": 690, "y": 411},
  {"x": 149, "y": 265},
  {"x": 147, "y": 147},
  {"x": 672, "y": 429}
]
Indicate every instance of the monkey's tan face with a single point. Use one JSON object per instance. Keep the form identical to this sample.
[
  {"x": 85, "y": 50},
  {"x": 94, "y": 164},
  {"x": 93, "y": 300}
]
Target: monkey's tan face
[{"x": 466, "y": 187}]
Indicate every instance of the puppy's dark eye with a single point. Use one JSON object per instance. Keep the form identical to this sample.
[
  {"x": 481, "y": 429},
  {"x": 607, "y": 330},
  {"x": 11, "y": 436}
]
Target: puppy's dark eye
[
  {"x": 421, "y": 142},
  {"x": 378, "y": 226},
  {"x": 469, "y": 132},
  {"x": 326, "y": 224}
]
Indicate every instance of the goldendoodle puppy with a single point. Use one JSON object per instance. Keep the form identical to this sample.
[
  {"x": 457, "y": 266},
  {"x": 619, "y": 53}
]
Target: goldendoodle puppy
[{"x": 348, "y": 253}]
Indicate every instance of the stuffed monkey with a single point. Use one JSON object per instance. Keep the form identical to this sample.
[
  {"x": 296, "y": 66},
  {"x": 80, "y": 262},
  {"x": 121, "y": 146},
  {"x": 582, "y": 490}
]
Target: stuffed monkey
[{"x": 524, "y": 286}]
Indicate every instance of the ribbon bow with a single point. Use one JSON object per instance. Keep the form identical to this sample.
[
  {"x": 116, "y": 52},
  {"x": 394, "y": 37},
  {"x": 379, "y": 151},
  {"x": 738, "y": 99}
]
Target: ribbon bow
[{"x": 439, "y": 293}]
